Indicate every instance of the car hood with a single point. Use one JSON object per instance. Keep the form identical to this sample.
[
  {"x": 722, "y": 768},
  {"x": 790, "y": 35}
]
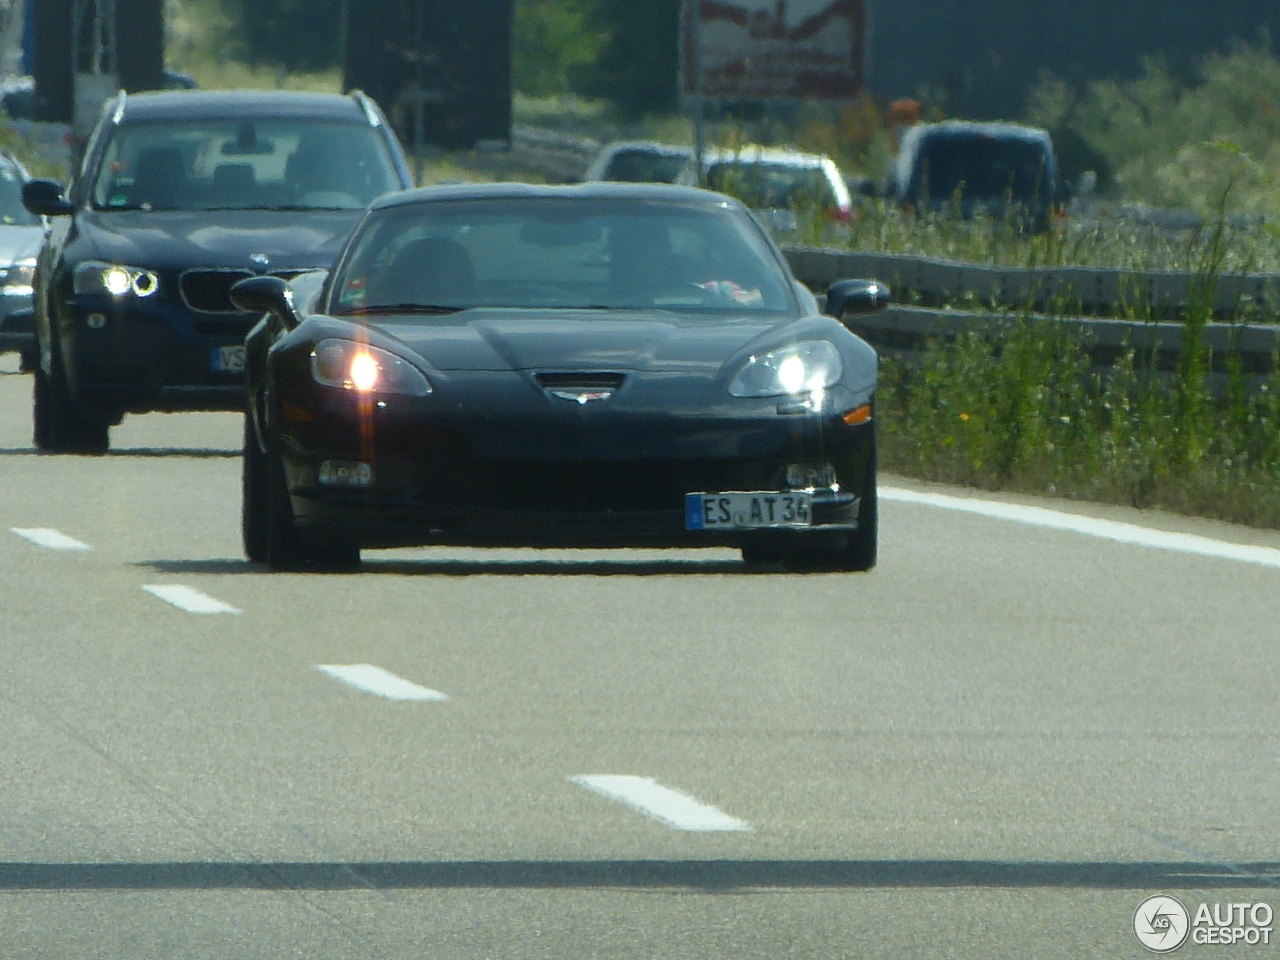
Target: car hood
[
  {"x": 510, "y": 340},
  {"x": 290, "y": 240},
  {"x": 19, "y": 243}
]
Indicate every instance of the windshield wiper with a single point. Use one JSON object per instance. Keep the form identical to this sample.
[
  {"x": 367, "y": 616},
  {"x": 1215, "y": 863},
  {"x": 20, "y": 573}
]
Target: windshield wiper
[{"x": 389, "y": 308}]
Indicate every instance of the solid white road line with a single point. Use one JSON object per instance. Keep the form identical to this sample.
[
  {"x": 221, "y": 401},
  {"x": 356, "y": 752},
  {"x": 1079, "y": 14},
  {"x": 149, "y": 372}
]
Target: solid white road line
[
  {"x": 1129, "y": 533},
  {"x": 672, "y": 807},
  {"x": 51, "y": 539},
  {"x": 383, "y": 683},
  {"x": 189, "y": 598}
]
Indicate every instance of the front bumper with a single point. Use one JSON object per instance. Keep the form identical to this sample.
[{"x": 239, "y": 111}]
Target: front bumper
[
  {"x": 596, "y": 479},
  {"x": 137, "y": 355}
]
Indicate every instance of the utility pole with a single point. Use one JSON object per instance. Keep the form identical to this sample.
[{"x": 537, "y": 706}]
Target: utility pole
[{"x": 96, "y": 65}]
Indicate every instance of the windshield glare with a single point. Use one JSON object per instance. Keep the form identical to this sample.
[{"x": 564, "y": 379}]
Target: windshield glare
[
  {"x": 243, "y": 164},
  {"x": 553, "y": 253}
]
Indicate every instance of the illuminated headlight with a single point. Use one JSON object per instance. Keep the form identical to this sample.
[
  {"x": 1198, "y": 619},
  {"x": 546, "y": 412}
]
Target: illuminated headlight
[
  {"x": 19, "y": 282},
  {"x": 93, "y": 276},
  {"x": 809, "y": 367},
  {"x": 364, "y": 369}
]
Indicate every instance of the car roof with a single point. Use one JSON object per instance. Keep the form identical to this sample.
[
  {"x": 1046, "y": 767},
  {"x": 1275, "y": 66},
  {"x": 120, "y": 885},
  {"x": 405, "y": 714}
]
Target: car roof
[
  {"x": 968, "y": 128},
  {"x": 647, "y": 146},
  {"x": 238, "y": 104},
  {"x": 593, "y": 190},
  {"x": 752, "y": 153}
]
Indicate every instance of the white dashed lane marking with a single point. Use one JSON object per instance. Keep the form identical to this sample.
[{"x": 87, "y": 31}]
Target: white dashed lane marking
[
  {"x": 1129, "y": 533},
  {"x": 382, "y": 683},
  {"x": 672, "y": 807},
  {"x": 50, "y": 539},
  {"x": 189, "y": 598}
]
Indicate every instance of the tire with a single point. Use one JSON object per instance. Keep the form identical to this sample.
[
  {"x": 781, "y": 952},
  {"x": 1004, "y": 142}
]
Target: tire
[
  {"x": 763, "y": 552},
  {"x": 858, "y": 552},
  {"x": 58, "y": 425},
  {"x": 284, "y": 546},
  {"x": 253, "y": 497}
]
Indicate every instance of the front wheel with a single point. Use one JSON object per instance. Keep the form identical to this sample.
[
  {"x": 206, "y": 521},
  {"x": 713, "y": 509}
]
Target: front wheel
[
  {"x": 58, "y": 424},
  {"x": 270, "y": 527},
  {"x": 254, "y": 501}
]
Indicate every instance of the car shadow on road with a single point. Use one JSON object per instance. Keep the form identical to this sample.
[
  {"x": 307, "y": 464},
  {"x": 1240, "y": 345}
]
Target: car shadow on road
[
  {"x": 453, "y": 567},
  {"x": 197, "y": 453},
  {"x": 710, "y": 876}
]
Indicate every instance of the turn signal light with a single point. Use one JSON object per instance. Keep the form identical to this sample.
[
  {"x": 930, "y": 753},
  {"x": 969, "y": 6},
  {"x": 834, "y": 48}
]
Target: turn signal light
[{"x": 858, "y": 415}]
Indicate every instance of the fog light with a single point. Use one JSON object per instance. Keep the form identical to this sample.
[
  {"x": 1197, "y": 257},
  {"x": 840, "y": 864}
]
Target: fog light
[
  {"x": 345, "y": 473},
  {"x": 96, "y": 321},
  {"x": 809, "y": 476}
]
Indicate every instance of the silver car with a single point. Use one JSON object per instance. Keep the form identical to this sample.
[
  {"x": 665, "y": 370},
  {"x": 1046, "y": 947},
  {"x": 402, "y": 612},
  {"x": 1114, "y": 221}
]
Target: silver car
[{"x": 21, "y": 234}]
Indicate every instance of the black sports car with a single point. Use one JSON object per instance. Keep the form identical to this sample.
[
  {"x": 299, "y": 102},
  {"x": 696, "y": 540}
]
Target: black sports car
[
  {"x": 559, "y": 366},
  {"x": 181, "y": 195}
]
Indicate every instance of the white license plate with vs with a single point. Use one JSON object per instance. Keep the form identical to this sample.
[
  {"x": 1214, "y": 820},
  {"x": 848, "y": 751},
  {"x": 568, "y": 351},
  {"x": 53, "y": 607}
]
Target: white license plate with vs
[
  {"x": 747, "y": 511},
  {"x": 227, "y": 359}
]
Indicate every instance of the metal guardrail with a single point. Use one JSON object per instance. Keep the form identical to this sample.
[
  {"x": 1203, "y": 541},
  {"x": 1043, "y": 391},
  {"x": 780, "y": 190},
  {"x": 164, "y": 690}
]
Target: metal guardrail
[
  {"x": 561, "y": 157},
  {"x": 902, "y": 333},
  {"x": 1091, "y": 291}
]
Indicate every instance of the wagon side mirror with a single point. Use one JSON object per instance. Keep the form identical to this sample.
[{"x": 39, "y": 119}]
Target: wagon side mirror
[
  {"x": 44, "y": 199},
  {"x": 266, "y": 295},
  {"x": 852, "y": 297}
]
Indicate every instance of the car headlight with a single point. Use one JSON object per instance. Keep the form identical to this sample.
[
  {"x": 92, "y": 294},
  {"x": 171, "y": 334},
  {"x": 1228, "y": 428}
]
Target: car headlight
[
  {"x": 112, "y": 279},
  {"x": 364, "y": 369},
  {"x": 790, "y": 371},
  {"x": 20, "y": 279}
]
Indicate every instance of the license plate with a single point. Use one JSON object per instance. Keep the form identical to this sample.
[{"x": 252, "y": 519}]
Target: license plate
[
  {"x": 227, "y": 359},
  {"x": 747, "y": 511}
]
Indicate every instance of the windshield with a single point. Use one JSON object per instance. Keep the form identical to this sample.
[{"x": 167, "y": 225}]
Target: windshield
[
  {"x": 243, "y": 164},
  {"x": 643, "y": 166},
  {"x": 12, "y": 212},
  {"x": 982, "y": 168},
  {"x": 767, "y": 185},
  {"x": 553, "y": 253}
]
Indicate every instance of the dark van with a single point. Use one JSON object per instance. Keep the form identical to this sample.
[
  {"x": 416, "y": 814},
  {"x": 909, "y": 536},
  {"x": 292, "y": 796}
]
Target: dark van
[{"x": 1001, "y": 169}]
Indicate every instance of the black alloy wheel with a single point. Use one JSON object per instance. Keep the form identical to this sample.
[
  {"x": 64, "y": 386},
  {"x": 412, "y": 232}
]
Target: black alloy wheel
[
  {"x": 854, "y": 552},
  {"x": 254, "y": 502},
  {"x": 59, "y": 425},
  {"x": 283, "y": 545}
]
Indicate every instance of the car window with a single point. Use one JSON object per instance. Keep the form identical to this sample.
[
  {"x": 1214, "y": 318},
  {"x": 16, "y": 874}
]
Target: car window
[
  {"x": 642, "y": 166},
  {"x": 12, "y": 212},
  {"x": 766, "y": 185},
  {"x": 562, "y": 254},
  {"x": 243, "y": 164},
  {"x": 980, "y": 167}
]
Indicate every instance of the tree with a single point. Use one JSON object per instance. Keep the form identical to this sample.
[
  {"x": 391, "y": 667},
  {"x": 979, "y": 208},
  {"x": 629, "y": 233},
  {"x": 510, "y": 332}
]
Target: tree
[
  {"x": 554, "y": 41},
  {"x": 295, "y": 34},
  {"x": 638, "y": 65}
]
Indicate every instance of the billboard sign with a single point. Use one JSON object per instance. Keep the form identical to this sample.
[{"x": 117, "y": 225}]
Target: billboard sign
[{"x": 774, "y": 49}]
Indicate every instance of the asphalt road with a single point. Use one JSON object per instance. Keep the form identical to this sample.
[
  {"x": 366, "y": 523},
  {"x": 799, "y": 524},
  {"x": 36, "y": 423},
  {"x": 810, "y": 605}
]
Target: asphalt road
[{"x": 996, "y": 745}]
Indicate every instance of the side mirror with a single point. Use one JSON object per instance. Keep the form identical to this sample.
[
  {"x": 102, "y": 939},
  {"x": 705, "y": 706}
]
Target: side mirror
[
  {"x": 266, "y": 295},
  {"x": 44, "y": 199},
  {"x": 845, "y": 297}
]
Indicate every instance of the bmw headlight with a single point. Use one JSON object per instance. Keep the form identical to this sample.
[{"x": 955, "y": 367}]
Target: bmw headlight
[
  {"x": 364, "y": 369},
  {"x": 808, "y": 367},
  {"x": 114, "y": 280},
  {"x": 19, "y": 281}
]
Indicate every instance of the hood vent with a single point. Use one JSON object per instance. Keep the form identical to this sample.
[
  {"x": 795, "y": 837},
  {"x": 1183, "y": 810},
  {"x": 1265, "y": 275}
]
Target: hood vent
[{"x": 580, "y": 381}]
